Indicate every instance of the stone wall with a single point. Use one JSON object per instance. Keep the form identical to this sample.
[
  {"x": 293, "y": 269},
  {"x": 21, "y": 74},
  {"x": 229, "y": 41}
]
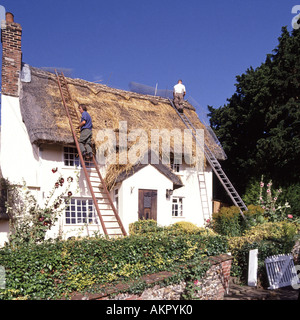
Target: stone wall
[{"x": 211, "y": 287}]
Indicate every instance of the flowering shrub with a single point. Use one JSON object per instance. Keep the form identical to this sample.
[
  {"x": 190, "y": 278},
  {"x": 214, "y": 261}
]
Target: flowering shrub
[
  {"x": 29, "y": 221},
  {"x": 268, "y": 200}
]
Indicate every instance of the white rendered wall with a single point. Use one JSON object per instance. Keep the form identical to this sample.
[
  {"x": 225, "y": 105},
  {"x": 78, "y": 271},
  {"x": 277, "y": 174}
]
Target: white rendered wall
[
  {"x": 147, "y": 178},
  {"x": 150, "y": 178},
  {"x": 19, "y": 159},
  {"x": 51, "y": 156}
]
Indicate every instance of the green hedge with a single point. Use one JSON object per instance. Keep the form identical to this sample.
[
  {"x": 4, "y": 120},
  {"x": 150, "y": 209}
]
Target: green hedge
[{"x": 53, "y": 270}]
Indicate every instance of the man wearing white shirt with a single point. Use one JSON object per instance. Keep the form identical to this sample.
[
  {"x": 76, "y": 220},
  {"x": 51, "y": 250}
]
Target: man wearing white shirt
[{"x": 179, "y": 93}]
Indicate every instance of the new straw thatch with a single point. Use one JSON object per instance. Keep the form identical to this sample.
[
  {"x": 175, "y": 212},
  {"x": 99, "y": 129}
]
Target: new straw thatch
[{"x": 46, "y": 121}]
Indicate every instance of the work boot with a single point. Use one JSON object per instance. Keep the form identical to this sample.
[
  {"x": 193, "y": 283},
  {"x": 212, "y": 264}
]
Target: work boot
[{"x": 89, "y": 156}]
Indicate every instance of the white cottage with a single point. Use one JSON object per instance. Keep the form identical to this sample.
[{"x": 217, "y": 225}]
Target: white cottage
[{"x": 36, "y": 137}]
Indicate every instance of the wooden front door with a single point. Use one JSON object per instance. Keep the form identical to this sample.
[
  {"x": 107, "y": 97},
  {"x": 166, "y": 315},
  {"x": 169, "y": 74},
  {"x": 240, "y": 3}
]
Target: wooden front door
[{"x": 147, "y": 204}]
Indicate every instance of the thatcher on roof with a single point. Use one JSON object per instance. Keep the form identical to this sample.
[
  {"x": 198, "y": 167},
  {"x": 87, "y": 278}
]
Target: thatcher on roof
[{"x": 44, "y": 115}]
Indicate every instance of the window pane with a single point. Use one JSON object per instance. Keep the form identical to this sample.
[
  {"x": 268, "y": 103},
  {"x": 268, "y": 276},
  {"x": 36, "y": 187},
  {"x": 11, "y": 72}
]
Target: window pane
[
  {"x": 80, "y": 211},
  {"x": 177, "y": 207},
  {"x": 147, "y": 202}
]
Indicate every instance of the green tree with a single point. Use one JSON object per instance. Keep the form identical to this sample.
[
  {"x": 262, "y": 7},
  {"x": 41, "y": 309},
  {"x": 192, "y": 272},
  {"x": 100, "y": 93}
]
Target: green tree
[{"x": 259, "y": 127}]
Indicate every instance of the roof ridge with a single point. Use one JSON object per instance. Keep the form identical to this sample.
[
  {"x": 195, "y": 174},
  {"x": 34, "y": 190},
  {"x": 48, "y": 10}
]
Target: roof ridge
[{"x": 97, "y": 87}]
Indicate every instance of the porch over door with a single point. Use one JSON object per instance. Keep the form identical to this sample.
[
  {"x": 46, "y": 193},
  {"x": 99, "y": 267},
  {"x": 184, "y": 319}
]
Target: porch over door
[{"x": 147, "y": 204}]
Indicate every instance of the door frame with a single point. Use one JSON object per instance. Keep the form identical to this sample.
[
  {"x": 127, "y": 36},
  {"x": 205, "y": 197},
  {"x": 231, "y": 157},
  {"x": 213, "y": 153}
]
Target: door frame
[{"x": 141, "y": 208}]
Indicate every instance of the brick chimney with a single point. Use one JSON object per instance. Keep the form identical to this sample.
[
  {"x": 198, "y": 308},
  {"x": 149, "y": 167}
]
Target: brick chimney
[{"x": 11, "y": 55}]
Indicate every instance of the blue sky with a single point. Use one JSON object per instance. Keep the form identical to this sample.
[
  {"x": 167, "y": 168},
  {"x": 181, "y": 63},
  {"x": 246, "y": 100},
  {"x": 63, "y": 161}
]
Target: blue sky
[{"x": 206, "y": 43}]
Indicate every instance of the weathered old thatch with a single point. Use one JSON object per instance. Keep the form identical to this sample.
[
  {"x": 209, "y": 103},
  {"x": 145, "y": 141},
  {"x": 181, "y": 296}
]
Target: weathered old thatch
[{"x": 46, "y": 121}]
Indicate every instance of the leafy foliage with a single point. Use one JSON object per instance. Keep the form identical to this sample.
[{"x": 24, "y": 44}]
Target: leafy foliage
[
  {"x": 54, "y": 269},
  {"x": 227, "y": 221},
  {"x": 28, "y": 218},
  {"x": 270, "y": 238},
  {"x": 142, "y": 226},
  {"x": 259, "y": 127}
]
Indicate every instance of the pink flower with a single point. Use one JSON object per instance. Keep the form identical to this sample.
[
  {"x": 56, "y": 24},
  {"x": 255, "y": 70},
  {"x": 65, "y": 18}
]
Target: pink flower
[
  {"x": 262, "y": 184},
  {"x": 268, "y": 191},
  {"x": 196, "y": 282},
  {"x": 290, "y": 216}
]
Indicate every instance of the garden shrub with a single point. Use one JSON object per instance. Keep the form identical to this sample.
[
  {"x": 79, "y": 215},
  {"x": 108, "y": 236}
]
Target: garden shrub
[
  {"x": 253, "y": 216},
  {"x": 227, "y": 221},
  {"x": 184, "y": 226},
  {"x": 143, "y": 226},
  {"x": 292, "y": 193}
]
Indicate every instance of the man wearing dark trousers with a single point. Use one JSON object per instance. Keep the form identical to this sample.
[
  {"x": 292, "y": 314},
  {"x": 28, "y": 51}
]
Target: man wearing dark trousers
[
  {"x": 85, "y": 126},
  {"x": 179, "y": 93}
]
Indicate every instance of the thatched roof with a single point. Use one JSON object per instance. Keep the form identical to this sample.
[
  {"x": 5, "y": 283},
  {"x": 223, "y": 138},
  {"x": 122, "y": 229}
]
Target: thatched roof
[{"x": 46, "y": 121}]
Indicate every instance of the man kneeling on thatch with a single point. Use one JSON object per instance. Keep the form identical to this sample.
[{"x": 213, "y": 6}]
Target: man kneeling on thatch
[
  {"x": 85, "y": 126},
  {"x": 178, "y": 94}
]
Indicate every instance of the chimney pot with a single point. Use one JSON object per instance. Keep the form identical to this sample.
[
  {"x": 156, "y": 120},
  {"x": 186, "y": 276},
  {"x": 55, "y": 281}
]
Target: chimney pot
[{"x": 9, "y": 17}]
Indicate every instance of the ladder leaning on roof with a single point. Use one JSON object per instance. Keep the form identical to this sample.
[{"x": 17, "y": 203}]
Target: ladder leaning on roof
[
  {"x": 214, "y": 163},
  {"x": 112, "y": 225}
]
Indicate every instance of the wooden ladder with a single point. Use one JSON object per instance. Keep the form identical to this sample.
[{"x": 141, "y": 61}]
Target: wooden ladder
[
  {"x": 109, "y": 218},
  {"x": 204, "y": 196},
  {"x": 214, "y": 163}
]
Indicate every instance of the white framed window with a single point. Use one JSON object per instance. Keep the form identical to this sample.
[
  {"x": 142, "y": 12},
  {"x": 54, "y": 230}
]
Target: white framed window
[
  {"x": 71, "y": 157},
  {"x": 80, "y": 211},
  {"x": 177, "y": 207}
]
